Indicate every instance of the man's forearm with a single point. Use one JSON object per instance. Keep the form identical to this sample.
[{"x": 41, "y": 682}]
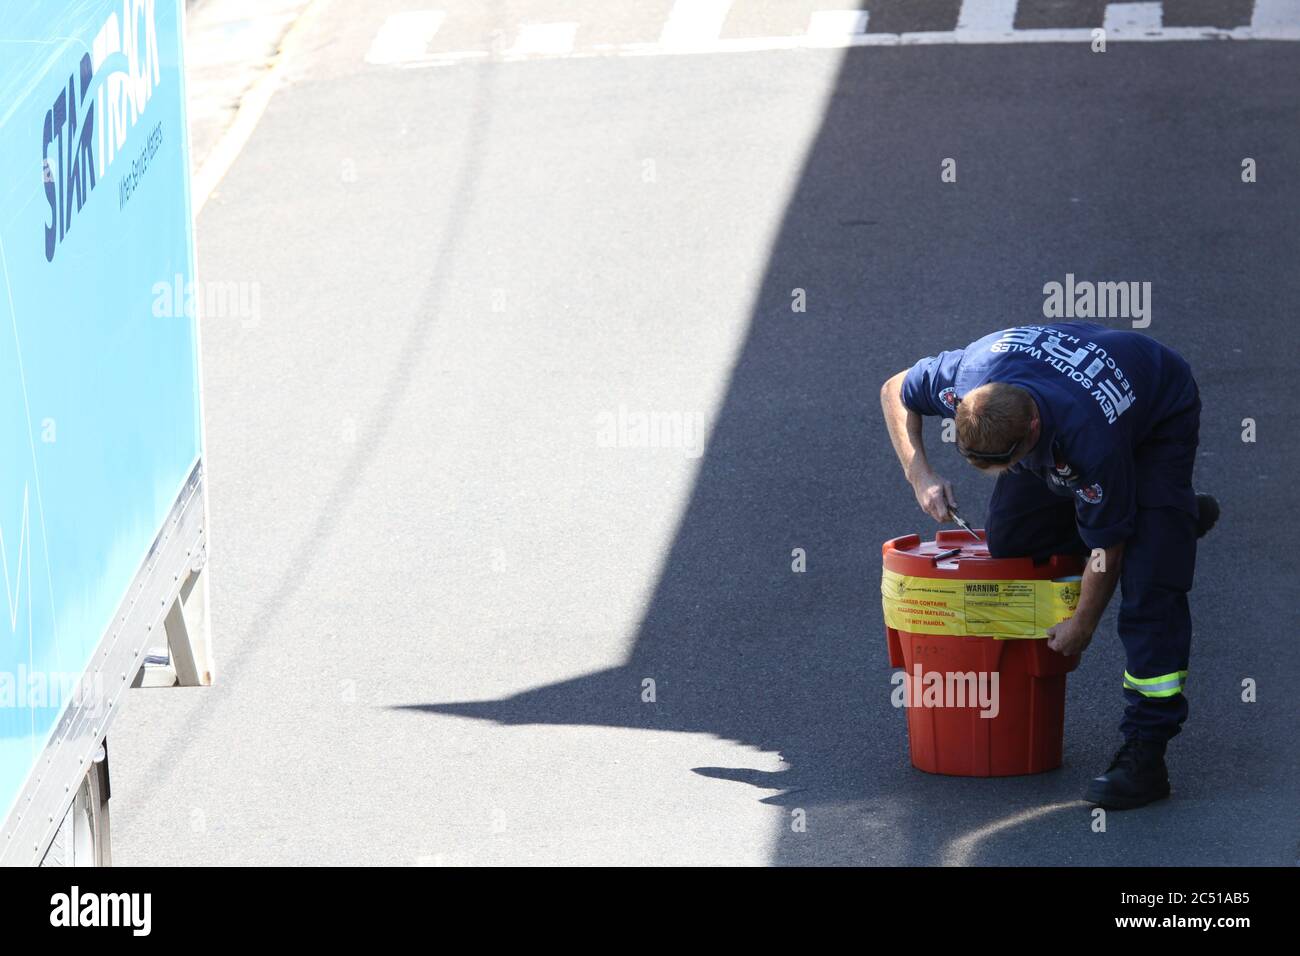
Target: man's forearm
[
  {"x": 1098, "y": 585},
  {"x": 904, "y": 429}
]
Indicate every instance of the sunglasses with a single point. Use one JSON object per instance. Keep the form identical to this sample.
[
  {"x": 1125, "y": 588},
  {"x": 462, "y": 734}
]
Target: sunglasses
[{"x": 994, "y": 458}]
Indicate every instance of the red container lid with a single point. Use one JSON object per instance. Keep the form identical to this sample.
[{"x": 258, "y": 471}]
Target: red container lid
[{"x": 912, "y": 556}]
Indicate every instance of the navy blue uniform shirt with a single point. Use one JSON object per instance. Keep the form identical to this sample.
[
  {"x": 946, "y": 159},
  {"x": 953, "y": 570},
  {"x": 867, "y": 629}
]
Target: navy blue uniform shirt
[{"x": 1100, "y": 394}]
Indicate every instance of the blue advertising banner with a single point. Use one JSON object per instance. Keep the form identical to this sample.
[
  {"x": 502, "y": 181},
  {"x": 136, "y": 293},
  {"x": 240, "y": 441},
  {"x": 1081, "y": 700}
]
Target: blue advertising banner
[{"x": 99, "y": 404}]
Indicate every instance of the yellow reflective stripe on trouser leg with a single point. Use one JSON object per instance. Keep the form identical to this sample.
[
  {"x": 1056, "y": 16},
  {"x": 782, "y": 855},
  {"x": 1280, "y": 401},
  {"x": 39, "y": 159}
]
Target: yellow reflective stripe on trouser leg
[{"x": 1166, "y": 685}]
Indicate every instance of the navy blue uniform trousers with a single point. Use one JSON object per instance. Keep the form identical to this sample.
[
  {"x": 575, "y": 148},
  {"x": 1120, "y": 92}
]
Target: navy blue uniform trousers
[{"x": 1028, "y": 519}]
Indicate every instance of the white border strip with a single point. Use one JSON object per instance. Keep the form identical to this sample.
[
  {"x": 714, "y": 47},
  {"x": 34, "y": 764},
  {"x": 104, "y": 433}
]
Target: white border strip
[{"x": 966, "y": 36}]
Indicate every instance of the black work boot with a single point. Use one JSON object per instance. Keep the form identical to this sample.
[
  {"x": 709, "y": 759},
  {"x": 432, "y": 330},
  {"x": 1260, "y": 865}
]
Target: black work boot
[
  {"x": 1207, "y": 513},
  {"x": 1136, "y": 777}
]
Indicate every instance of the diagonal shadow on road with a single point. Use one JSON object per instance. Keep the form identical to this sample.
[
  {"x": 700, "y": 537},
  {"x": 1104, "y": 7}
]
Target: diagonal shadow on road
[{"x": 1122, "y": 167}]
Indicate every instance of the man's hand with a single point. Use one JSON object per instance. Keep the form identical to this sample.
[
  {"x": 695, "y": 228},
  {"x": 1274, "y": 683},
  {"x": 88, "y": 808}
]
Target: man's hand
[
  {"x": 1069, "y": 637},
  {"x": 934, "y": 495}
]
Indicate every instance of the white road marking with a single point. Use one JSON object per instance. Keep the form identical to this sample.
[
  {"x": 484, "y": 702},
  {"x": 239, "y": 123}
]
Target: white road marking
[
  {"x": 693, "y": 24},
  {"x": 1079, "y": 35},
  {"x": 544, "y": 39},
  {"x": 404, "y": 36},
  {"x": 1130, "y": 17},
  {"x": 458, "y": 56},
  {"x": 836, "y": 23},
  {"x": 1276, "y": 15},
  {"x": 986, "y": 16}
]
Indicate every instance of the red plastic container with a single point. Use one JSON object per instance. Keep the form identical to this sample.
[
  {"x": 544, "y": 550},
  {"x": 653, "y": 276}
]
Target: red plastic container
[{"x": 1027, "y": 733}]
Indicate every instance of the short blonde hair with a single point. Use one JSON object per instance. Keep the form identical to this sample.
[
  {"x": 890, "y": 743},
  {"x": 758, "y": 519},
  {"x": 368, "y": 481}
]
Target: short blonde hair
[{"x": 993, "y": 418}]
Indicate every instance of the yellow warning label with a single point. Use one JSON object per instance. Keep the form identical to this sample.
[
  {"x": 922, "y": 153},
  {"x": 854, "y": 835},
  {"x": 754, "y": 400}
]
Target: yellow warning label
[{"x": 1005, "y": 609}]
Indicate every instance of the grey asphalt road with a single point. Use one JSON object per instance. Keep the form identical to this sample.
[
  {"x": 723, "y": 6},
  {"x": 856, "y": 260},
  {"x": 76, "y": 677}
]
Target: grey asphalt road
[{"x": 443, "y": 574}]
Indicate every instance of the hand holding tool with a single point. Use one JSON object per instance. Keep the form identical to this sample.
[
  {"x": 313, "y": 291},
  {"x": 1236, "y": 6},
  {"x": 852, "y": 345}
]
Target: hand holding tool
[{"x": 952, "y": 513}]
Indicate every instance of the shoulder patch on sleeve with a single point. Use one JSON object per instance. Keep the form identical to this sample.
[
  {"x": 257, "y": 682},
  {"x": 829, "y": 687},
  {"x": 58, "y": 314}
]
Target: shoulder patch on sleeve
[{"x": 1091, "y": 495}]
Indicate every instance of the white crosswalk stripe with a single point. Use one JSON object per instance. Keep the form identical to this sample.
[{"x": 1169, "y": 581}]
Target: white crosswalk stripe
[
  {"x": 1125, "y": 17},
  {"x": 1276, "y": 15},
  {"x": 700, "y": 26},
  {"x": 694, "y": 23},
  {"x": 837, "y": 23},
  {"x": 405, "y": 36},
  {"x": 986, "y": 16}
]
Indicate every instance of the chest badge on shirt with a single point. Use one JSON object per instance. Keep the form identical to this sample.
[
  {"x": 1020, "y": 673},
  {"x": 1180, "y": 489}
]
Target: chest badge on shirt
[
  {"x": 1091, "y": 495},
  {"x": 1063, "y": 474},
  {"x": 949, "y": 398}
]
